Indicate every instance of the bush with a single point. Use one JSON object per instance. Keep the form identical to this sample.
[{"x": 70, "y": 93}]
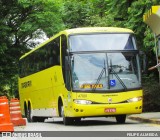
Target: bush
[{"x": 151, "y": 98}]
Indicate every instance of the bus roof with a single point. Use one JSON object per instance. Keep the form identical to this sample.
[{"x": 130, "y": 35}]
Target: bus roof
[
  {"x": 83, "y": 30},
  {"x": 97, "y": 30}
]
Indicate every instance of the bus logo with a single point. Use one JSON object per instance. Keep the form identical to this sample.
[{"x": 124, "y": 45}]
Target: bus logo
[{"x": 109, "y": 100}]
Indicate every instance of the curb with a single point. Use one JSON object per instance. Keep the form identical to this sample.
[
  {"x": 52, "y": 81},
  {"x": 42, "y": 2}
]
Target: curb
[{"x": 144, "y": 119}]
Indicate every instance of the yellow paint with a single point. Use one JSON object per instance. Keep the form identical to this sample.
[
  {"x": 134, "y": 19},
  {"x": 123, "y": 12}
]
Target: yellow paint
[
  {"x": 155, "y": 9},
  {"x": 43, "y": 90},
  {"x": 152, "y": 19},
  {"x": 101, "y": 102}
]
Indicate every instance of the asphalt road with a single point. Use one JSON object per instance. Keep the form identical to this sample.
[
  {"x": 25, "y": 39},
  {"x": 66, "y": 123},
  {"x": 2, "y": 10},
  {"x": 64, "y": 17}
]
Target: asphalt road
[{"x": 89, "y": 124}]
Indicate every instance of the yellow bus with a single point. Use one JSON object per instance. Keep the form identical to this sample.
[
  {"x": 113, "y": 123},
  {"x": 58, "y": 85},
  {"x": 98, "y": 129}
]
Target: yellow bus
[{"x": 82, "y": 72}]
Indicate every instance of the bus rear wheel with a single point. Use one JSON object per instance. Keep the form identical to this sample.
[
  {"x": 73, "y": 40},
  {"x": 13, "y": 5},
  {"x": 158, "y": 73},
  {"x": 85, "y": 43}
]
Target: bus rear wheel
[
  {"x": 25, "y": 110},
  {"x": 38, "y": 119},
  {"x": 121, "y": 119},
  {"x": 29, "y": 118}
]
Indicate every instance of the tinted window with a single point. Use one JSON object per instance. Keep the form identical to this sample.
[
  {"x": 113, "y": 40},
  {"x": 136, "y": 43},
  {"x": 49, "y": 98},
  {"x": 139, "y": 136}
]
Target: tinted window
[
  {"x": 96, "y": 42},
  {"x": 65, "y": 68},
  {"x": 43, "y": 58}
]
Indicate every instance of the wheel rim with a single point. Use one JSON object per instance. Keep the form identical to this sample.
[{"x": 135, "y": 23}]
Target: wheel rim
[
  {"x": 28, "y": 115},
  {"x": 62, "y": 115},
  {"x": 62, "y": 111}
]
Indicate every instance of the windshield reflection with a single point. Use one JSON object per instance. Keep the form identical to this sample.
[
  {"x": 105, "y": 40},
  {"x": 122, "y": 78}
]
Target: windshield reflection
[
  {"x": 93, "y": 42},
  {"x": 105, "y": 71}
]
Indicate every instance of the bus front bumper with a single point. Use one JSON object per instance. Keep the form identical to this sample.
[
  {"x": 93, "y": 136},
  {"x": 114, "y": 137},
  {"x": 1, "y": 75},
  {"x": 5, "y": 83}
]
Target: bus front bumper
[{"x": 93, "y": 110}]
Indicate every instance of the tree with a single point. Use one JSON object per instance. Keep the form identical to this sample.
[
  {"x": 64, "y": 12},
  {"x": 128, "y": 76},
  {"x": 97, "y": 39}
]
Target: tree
[
  {"x": 21, "y": 21},
  {"x": 75, "y": 13}
]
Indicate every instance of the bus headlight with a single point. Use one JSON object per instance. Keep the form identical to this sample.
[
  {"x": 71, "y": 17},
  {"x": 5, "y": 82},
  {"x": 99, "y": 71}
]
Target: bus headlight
[
  {"x": 83, "y": 102},
  {"x": 136, "y": 99}
]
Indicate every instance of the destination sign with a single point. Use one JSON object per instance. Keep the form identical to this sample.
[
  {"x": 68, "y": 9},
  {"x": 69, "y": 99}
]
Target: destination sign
[{"x": 90, "y": 86}]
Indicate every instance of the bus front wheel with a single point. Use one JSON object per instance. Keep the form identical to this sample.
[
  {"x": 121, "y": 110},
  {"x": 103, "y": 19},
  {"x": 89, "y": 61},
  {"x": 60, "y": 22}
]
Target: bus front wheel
[
  {"x": 121, "y": 119},
  {"x": 66, "y": 120}
]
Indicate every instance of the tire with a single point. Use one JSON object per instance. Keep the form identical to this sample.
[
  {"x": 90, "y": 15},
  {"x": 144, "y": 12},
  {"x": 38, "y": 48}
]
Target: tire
[
  {"x": 29, "y": 118},
  {"x": 25, "y": 110},
  {"x": 66, "y": 120},
  {"x": 121, "y": 119},
  {"x": 38, "y": 119},
  {"x": 33, "y": 118},
  {"x": 77, "y": 120}
]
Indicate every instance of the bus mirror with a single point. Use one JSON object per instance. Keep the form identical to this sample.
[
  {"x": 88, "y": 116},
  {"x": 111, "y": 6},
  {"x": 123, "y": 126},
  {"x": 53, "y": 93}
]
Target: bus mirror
[{"x": 143, "y": 60}]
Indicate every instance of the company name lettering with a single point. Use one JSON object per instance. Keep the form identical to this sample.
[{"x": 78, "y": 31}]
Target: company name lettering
[{"x": 26, "y": 84}]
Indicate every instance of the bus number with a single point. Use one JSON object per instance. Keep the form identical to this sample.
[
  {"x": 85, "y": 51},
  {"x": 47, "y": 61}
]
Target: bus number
[{"x": 82, "y": 95}]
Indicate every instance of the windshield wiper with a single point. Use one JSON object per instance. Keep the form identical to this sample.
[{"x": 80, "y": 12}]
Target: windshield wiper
[
  {"x": 119, "y": 79},
  {"x": 100, "y": 77}
]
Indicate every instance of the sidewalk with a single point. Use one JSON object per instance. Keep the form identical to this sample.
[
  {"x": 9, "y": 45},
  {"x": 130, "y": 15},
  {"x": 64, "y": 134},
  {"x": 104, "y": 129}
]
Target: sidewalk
[{"x": 152, "y": 117}]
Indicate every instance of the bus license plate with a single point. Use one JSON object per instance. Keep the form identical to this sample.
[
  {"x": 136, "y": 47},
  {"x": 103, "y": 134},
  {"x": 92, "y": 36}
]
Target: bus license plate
[{"x": 110, "y": 110}]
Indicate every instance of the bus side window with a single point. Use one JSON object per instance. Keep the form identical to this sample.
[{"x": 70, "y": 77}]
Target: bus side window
[
  {"x": 54, "y": 50},
  {"x": 42, "y": 58},
  {"x": 50, "y": 57},
  {"x": 21, "y": 68},
  {"x": 64, "y": 56},
  {"x": 57, "y": 50}
]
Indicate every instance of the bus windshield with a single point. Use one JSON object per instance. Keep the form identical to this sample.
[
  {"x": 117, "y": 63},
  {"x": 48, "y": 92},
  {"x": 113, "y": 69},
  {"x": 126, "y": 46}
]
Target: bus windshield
[
  {"x": 99, "y": 42},
  {"x": 105, "y": 71}
]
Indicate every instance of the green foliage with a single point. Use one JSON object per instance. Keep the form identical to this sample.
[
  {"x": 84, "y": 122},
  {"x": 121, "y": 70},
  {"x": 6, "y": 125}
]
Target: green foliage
[
  {"x": 75, "y": 13},
  {"x": 20, "y": 21},
  {"x": 132, "y": 12},
  {"x": 151, "y": 96},
  {"x": 24, "y": 20}
]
